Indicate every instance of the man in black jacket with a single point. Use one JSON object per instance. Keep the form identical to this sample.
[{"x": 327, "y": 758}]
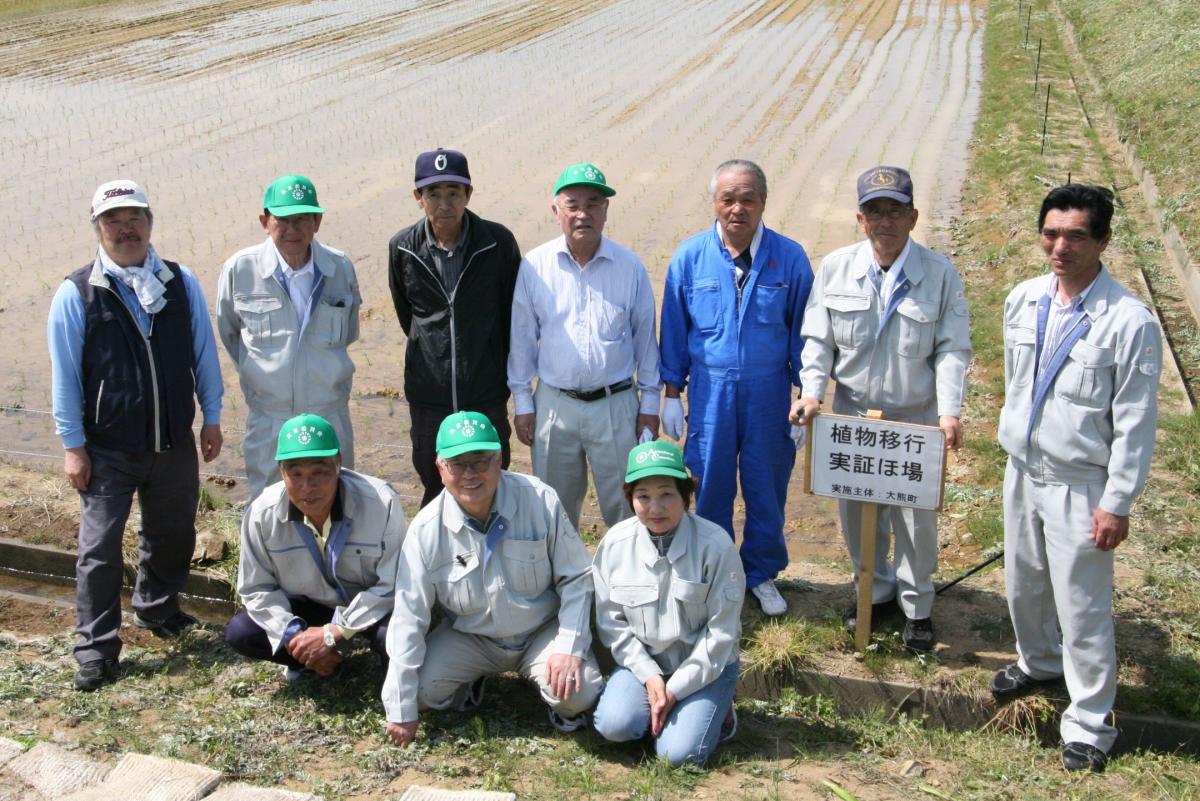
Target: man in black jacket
[{"x": 452, "y": 276}]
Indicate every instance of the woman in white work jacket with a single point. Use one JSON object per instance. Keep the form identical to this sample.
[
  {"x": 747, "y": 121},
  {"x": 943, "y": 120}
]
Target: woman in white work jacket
[{"x": 669, "y": 591}]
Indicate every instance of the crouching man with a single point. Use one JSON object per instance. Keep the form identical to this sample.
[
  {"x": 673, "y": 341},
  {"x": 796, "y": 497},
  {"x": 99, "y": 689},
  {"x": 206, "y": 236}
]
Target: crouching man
[
  {"x": 318, "y": 557},
  {"x": 497, "y": 552}
]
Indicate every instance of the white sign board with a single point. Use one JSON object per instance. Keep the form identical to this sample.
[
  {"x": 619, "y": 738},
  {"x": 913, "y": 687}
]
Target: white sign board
[{"x": 876, "y": 461}]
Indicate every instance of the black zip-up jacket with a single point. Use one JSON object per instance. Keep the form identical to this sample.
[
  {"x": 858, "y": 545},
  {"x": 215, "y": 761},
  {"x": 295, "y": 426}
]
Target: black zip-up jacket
[{"x": 457, "y": 353}]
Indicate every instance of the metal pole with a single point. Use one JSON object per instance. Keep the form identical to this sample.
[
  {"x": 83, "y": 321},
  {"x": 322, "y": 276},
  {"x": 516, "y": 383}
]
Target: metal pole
[
  {"x": 1045, "y": 117},
  {"x": 1028, "y": 19},
  {"x": 1037, "y": 67},
  {"x": 968, "y": 574}
]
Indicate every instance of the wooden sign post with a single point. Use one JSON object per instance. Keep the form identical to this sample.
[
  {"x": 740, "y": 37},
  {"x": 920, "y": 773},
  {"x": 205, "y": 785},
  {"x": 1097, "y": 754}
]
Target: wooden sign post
[{"x": 875, "y": 462}]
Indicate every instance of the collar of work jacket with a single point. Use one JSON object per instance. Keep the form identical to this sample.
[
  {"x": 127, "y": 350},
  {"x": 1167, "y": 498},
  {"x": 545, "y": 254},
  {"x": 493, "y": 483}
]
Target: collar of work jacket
[
  {"x": 1095, "y": 302},
  {"x": 685, "y": 534},
  {"x": 914, "y": 267},
  {"x": 323, "y": 263},
  {"x": 504, "y": 504}
]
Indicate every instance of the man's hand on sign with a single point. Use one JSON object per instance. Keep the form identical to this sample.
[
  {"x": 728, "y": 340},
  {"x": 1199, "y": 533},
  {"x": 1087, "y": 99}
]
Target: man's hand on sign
[
  {"x": 803, "y": 410},
  {"x": 1109, "y": 530},
  {"x": 952, "y": 428}
]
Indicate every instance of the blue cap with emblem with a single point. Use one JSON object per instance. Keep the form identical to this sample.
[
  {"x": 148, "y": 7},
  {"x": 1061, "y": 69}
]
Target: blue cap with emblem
[
  {"x": 442, "y": 166},
  {"x": 890, "y": 182}
]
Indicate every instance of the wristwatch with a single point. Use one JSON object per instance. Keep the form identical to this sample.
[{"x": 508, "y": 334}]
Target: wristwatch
[{"x": 330, "y": 640}]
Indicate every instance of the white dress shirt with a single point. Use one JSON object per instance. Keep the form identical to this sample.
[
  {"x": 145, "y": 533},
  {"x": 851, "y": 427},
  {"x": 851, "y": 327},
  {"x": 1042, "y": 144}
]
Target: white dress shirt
[
  {"x": 583, "y": 328},
  {"x": 299, "y": 284}
]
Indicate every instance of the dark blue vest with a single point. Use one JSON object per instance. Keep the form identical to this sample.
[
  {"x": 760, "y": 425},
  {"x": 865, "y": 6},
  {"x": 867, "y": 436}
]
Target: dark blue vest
[{"x": 138, "y": 391}]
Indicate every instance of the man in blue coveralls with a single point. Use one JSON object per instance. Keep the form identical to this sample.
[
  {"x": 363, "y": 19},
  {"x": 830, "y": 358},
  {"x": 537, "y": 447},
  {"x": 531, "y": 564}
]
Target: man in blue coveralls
[{"x": 731, "y": 315}]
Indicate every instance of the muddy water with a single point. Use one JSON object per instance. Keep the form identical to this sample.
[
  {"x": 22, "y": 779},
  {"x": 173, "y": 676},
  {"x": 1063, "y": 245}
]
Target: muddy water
[{"x": 205, "y": 102}]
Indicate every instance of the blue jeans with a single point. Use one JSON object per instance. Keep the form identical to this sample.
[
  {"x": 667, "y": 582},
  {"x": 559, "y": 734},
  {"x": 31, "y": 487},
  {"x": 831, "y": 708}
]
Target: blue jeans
[{"x": 693, "y": 725}]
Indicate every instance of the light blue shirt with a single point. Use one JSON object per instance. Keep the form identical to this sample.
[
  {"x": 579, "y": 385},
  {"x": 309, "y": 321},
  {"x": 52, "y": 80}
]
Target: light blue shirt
[{"x": 65, "y": 331}]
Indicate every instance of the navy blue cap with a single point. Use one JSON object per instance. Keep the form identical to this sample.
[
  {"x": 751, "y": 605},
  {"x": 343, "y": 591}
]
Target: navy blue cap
[
  {"x": 436, "y": 166},
  {"x": 892, "y": 182}
]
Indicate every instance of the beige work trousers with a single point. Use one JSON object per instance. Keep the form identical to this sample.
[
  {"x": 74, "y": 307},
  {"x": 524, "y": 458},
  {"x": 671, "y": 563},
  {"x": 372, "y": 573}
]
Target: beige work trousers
[
  {"x": 570, "y": 434},
  {"x": 453, "y": 660}
]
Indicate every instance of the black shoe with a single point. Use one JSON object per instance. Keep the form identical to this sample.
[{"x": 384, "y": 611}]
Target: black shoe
[
  {"x": 172, "y": 628},
  {"x": 94, "y": 674},
  {"x": 1011, "y": 682},
  {"x": 918, "y": 634},
  {"x": 1082, "y": 756},
  {"x": 878, "y": 611}
]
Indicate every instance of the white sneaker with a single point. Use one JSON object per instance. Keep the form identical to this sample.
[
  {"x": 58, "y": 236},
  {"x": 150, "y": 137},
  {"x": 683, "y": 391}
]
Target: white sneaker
[
  {"x": 769, "y": 598},
  {"x": 566, "y": 724}
]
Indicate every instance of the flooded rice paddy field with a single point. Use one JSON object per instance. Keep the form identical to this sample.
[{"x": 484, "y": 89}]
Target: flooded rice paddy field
[{"x": 205, "y": 102}]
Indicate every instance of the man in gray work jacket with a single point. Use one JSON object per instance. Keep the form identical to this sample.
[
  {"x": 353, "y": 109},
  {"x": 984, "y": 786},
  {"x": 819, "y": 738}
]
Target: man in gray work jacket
[
  {"x": 1082, "y": 358},
  {"x": 318, "y": 557},
  {"x": 287, "y": 309}
]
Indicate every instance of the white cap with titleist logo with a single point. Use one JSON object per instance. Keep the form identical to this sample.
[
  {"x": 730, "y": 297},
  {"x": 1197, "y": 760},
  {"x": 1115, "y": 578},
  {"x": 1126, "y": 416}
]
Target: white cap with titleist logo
[{"x": 118, "y": 194}]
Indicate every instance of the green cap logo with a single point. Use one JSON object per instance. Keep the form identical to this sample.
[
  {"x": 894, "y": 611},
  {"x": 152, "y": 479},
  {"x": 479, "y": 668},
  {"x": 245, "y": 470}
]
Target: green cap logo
[
  {"x": 306, "y": 436},
  {"x": 583, "y": 174},
  {"x": 291, "y": 194},
  {"x": 654, "y": 458},
  {"x": 464, "y": 432}
]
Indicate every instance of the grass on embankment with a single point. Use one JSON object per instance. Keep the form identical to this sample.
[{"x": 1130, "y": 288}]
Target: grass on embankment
[
  {"x": 1147, "y": 56},
  {"x": 997, "y": 247}
]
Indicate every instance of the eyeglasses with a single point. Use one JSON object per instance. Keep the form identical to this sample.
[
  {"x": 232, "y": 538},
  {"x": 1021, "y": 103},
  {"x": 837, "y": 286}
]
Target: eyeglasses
[
  {"x": 891, "y": 213},
  {"x": 480, "y": 464}
]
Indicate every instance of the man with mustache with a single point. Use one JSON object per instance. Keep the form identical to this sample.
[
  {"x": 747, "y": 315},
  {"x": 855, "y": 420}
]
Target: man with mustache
[
  {"x": 131, "y": 350},
  {"x": 583, "y": 324},
  {"x": 1082, "y": 360}
]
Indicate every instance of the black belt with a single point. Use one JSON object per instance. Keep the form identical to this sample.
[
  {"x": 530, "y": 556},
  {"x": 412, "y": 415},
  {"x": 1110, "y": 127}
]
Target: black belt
[{"x": 597, "y": 394}]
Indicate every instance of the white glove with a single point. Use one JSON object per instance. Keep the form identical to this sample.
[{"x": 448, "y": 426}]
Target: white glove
[
  {"x": 672, "y": 418},
  {"x": 799, "y": 434},
  {"x": 647, "y": 436}
]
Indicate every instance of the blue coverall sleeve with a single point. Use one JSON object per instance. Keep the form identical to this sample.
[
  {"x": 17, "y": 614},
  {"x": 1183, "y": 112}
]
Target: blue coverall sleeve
[
  {"x": 675, "y": 364},
  {"x": 801, "y": 285}
]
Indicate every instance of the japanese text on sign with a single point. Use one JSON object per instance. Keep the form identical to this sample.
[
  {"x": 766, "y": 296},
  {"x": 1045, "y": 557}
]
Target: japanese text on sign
[{"x": 877, "y": 461}]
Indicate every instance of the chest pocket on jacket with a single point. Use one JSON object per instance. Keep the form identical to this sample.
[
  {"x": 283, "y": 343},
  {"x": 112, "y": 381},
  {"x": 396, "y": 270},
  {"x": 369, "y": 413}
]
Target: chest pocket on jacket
[
  {"x": 692, "y": 597},
  {"x": 849, "y": 316},
  {"x": 262, "y": 319},
  {"x": 1087, "y": 375},
  {"x": 916, "y": 320},
  {"x": 461, "y": 591},
  {"x": 1021, "y": 342},
  {"x": 357, "y": 563},
  {"x": 330, "y": 321},
  {"x": 770, "y": 304},
  {"x": 526, "y": 566},
  {"x": 640, "y": 604},
  {"x": 613, "y": 322},
  {"x": 704, "y": 303}
]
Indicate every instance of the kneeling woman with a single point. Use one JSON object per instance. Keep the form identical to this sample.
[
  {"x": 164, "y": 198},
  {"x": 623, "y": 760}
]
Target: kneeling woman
[{"x": 669, "y": 591}]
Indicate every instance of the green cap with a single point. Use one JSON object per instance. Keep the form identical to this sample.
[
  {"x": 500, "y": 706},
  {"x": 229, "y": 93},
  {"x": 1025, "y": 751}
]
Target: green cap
[
  {"x": 306, "y": 436},
  {"x": 291, "y": 194},
  {"x": 463, "y": 432},
  {"x": 655, "y": 458},
  {"x": 583, "y": 175}
]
